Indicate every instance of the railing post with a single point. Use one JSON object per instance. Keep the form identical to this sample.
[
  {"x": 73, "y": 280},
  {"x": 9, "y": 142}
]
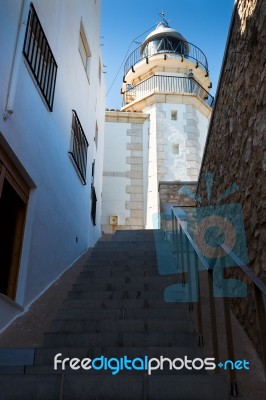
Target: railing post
[
  {"x": 181, "y": 252},
  {"x": 199, "y": 311},
  {"x": 229, "y": 336},
  {"x": 190, "y": 290},
  {"x": 261, "y": 318},
  {"x": 215, "y": 346}
]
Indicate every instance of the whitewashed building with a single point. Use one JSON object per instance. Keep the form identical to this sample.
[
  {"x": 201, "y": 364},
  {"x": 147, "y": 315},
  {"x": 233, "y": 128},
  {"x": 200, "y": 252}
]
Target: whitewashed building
[
  {"x": 51, "y": 143},
  {"x": 160, "y": 132}
]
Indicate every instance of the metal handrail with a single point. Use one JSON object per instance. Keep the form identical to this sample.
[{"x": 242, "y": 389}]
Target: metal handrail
[
  {"x": 254, "y": 278},
  {"x": 193, "y": 244},
  {"x": 169, "y": 84},
  {"x": 185, "y": 50},
  {"x": 259, "y": 287}
]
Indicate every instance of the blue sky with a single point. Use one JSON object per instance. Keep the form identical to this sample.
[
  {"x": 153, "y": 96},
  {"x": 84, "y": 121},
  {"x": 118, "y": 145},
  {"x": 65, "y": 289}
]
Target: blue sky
[{"x": 204, "y": 23}]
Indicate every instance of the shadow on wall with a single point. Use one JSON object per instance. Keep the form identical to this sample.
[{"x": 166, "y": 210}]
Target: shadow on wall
[{"x": 236, "y": 145}]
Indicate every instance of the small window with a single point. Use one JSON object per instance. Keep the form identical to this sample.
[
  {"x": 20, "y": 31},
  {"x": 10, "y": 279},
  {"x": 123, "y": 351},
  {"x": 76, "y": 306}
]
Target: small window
[
  {"x": 78, "y": 147},
  {"x": 174, "y": 115},
  {"x": 175, "y": 148},
  {"x": 40, "y": 59},
  {"x": 84, "y": 50}
]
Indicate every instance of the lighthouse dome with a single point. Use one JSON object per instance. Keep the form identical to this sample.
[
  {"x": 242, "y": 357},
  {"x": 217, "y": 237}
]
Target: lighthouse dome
[{"x": 164, "y": 39}]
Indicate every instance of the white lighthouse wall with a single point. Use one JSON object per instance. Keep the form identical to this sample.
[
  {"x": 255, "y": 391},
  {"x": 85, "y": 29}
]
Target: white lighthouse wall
[{"x": 180, "y": 131}]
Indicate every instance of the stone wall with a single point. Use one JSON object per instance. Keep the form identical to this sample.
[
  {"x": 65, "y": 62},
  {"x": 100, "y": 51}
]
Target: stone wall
[
  {"x": 236, "y": 145},
  {"x": 170, "y": 194}
]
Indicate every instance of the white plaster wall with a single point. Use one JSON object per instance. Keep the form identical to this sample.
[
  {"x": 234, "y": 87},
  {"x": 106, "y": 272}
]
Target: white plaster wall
[
  {"x": 114, "y": 199},
  {"x": 114, "y": 187},
  {"x": 115, "y": 145},
  {"x": 59, "y": 227}
]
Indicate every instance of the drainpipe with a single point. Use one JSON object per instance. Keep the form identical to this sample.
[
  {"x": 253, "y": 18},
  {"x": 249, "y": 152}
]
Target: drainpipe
[{"x": 13, "y": 80}]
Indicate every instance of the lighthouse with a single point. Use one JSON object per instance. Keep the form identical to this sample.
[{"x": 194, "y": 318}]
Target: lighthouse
[{"x": 159, "y": 133}]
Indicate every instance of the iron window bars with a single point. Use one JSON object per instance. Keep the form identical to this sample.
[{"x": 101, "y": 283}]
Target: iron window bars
[
  {"x": 93, "y": 205},
  {"x": 93, "y": 195},
  {"x": 39, "y": 57},
  {"x": 78, "y": 147}
]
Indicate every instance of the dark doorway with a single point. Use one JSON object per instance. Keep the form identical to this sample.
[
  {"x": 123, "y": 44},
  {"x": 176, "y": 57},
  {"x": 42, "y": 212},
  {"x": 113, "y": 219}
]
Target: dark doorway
[{"x": 12, "y": 217}]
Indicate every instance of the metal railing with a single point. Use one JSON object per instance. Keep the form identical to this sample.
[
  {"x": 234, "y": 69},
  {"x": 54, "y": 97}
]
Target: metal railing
[
  {"x": 78, "y": 147},
  {"x": 193, "y": 269},
  {"x": 185, "y": 50},
  {"x": 168, "y": 84},
  {"x": 93, "y": 205}
]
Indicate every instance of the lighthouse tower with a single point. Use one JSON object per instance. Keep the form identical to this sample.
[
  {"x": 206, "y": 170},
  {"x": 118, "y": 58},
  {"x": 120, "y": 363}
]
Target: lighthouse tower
[{"x": 159, "y": 134}]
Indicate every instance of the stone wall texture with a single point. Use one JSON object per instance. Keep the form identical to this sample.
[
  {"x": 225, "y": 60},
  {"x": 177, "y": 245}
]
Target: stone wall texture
[{"x": 236, "y": 146}]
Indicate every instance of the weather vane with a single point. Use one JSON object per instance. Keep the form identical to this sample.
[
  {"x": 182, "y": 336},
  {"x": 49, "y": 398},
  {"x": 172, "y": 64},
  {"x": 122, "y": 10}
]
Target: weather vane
[{"x": 162, "y": 15}]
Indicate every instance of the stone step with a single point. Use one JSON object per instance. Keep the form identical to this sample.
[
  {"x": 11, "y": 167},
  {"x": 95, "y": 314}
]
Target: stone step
[
  {"x": 110, "y": 387},
  {"x": 138, "y": 235},
  {"x": 134, "y": 253},
  {"x": 49, "y": 369},
  {"x": 187, "y": 387},
  {"x": 86, "y": 283},
  {"x": 104, "y": 273},
  {"x": 127, "y": 304},
  {"x": 121, "y": 314},
  {"x": 121, "y": 261},
  {"x": 31, "y": 387},
  {"x": 149, "y": 325},
  {"x": 45, "y": 356},
  {"x": 123, "y": 285},
  {"x": 125, "y": 248},
  {"x": 127, "y": 294},
  {"x": 122, "y": 339},
  {"x": 16, "y": 356},
  {"x": 120, "y": 267}
]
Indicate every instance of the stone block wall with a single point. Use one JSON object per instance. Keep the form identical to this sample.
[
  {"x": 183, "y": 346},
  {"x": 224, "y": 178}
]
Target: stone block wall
[
  {"x": 169, "y": 194},
  {"x": 236, "y": 145}
]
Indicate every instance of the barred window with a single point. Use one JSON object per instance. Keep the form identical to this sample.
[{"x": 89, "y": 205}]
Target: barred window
[
  {"x": 93, "y": 205},
  {"x": 93, "y": 195},
  {"x": 39, "y": 57},
  {"x": 78, "y": 147}
]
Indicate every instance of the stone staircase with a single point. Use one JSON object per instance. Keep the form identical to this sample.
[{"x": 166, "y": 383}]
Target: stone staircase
[{"x": 115, "y": 309}]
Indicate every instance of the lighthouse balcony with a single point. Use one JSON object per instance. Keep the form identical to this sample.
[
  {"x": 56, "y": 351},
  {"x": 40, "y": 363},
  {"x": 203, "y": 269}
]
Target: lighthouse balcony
[
  {"x": 166, "y": 46},
  {"x": 166, "y": 84}
]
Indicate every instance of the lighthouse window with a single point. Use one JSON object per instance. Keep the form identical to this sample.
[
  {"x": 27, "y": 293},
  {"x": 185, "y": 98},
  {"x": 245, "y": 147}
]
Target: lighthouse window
[
  {"x": 174, "y": 115},
  {"x": 175, "y": 148},
  {"x": 84, "y": 50}
]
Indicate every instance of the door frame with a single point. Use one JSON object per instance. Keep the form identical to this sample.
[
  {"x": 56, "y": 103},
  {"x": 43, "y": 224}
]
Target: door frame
[{"x": 9, "y": 173}]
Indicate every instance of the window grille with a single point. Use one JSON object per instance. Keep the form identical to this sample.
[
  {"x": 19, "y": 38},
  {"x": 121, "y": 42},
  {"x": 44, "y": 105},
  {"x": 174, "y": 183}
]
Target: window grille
[
  {"x": 39, "y": 57},
  {"x": 79, "y": 146},
  {"x": 93, "y": 205}
]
